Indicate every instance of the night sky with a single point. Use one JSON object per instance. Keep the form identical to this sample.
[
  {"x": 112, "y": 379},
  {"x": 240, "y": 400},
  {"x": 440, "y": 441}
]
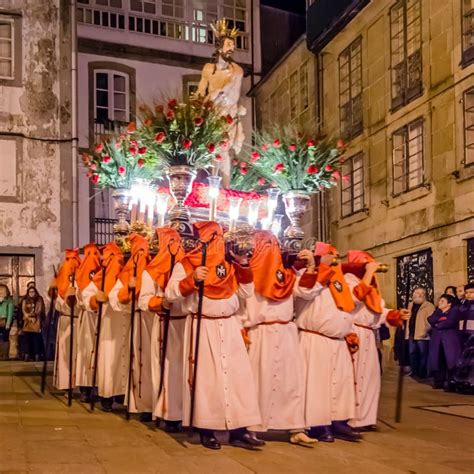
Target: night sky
[{"x": 297, "y": 6}]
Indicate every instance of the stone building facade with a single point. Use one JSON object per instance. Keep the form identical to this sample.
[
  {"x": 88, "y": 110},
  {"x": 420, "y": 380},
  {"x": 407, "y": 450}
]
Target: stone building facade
[
  {"x": 35, "y": 140},
  {"x": 395, "y": 79}
]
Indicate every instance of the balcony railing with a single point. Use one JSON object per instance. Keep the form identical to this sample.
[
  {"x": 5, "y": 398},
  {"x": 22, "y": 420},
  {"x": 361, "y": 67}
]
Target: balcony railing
[
  {"x": 178, "y": 29},
  {"x": 104, "y": 230},
  {"x": 105, "y": 129}
]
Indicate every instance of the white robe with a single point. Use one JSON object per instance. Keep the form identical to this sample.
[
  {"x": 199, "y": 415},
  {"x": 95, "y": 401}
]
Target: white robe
[
  {"x": 113, "y": 357},
  {"x": 329, "y": 375},
  {"x": 169, "y": 405},
  {"x": 63, "y": 338},
  {"x": 277, "y": 363},
  {"x": 85, "y": 345},
  {"x": 366, "y": 361},
  {"x": 226, "y": 397},
  {"x": 140, "y": 398}
]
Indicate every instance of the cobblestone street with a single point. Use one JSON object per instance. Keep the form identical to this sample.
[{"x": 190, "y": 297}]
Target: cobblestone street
[{"x": 41, "y": 434}]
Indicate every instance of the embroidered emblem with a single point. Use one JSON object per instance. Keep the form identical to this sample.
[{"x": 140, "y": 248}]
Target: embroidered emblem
[
  {"x": 280, "y": 276},
  {"x": 338, "y": 286},
  {"x": 221, "y": 271}
]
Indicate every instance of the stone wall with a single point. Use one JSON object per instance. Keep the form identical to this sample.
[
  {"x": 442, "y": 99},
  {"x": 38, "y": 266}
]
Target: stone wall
[{"x": 35, "y": 114}]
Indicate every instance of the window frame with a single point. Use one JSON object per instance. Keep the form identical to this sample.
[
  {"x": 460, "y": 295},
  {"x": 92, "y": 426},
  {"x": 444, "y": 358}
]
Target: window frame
[
  {"x": 354, "y": 129},
  {"x": 350, "y": 162},
  {"x": 407, "y": 94},
  {"x": 15, "y": 80},
  {"x": 301, "y": 68},
  {"x": 405, "y": 130},
  {"x": 467, "y": 53},
  {"x": 111, "y": 92},
  {"x": 465, "y": 161}
]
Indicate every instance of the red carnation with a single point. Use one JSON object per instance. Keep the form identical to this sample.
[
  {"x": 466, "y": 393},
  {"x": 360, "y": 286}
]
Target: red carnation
[
  {"x": 147, "y": 122},
  {"x": 159, "y": 109},
  {"x": 218, "y": 157},
  {"x": 235, "y": 162},
  {"x": 198, "y": 121},
  {"x": 336, "y": 175},
  {"x": 172, "y": 103},
  {"x": 244, "y": 171},
  {"x": 340, "y": 144},
  {"x": 276, "y": 143},
  {"x": 312, "y": 169},
  {"x": 140, "y": 162},
  {"x": 292, "y": 147},
  {"x": 311, "y": 142},
  {"x": 133, "y": 142},
  {"x": 261, "y": 181},
  {"x": 95, "y": 178},
  {"x": 93, "y": 166},
  {"x": 159, "y": 137},
  {"x": 88, "y": 174},
  {"x": 265, "y": 147},
  {"x": 255, "y": 156},
  {"x": 243, "y": 164},
  {"x": 99, "y": 148},
  {"x": 133, "y": 150},
  {"x": 279, "y": 167},
  {"x": 229, "y": 120},
  {"x": 170, "y": 114},
  {"x": 121, "y": 170},
  {"x": 328, "y": 168},
  {"x": 187, "y": 143},
  {"x": 142, "y": 150},
  {"x": 86, "y": 158},
  {"x": 131, "y": 127},
  {"x": 106, "y": 159},
  {"x": 211, "y": 147}
]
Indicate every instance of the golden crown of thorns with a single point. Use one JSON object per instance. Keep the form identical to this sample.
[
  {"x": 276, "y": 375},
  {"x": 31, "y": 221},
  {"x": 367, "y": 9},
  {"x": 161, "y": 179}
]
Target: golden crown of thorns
[{"x": 221, "y": 29}]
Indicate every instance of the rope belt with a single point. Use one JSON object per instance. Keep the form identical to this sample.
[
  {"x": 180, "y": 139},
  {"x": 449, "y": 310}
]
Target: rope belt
[
  {"x": 172, "y": 318},
  {"x": 195, "y": 316},
  {"x": 270, "y": 323},
  {"x": 363, "y": 326},
  {"x": 68, "y": 315},
  {"x": 321, "y": 334}
]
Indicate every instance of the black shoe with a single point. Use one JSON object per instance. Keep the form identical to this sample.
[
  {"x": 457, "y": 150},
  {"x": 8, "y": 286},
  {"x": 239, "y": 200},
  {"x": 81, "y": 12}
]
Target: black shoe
[
  {"x": 343, "y": 431},
  {"x": 85, "y": 394},
  {"x": 146, "y": 417},
  {"x": 172, "y": 426},
  {"x": 243, "y": 439},
  {"x": 106, "y": 404},
  {"x": 209, "y": 441},
  {"x": 322, "y": 433},
  {"x": 366, "y": 429}
]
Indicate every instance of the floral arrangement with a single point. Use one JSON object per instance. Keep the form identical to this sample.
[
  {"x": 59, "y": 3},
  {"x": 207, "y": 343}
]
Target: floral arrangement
[
  {"x": 118, "y": 162},
  {"x": 191, "y": 133},
  {"x": 289, "y": 161}
]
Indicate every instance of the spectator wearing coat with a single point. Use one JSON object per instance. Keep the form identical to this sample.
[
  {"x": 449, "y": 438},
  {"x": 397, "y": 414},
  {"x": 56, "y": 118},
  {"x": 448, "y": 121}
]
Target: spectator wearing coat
[
  {"x": 466, "y": 316},
  {"x": 445, "y": 342}
]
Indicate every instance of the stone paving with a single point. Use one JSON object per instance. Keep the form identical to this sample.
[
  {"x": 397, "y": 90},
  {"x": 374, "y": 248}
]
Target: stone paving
[{"x": 41, "y": 434}]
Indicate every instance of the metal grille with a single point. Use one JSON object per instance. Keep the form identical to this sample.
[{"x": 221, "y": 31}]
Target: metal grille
[
  {"x": 467, "y": 32},
  {"x": 105, "y": 129},
  {"x": 104, "y": 230},
  {"x": 470, "y": 260},
  {"x": 407, "y": 155},
  {"x": 350, "y": 90},
  {"x": 16, "y": 271},
  {"x": 405, "y": 45},
  {"x": 468, "y": 102},
  {"x": 352, "y": 191}
]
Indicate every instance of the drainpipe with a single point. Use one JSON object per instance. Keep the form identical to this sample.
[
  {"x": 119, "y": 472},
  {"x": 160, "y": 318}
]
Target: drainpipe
[
  {"x": 74, "y": 130},
  {"x": 252, "y": 73}
]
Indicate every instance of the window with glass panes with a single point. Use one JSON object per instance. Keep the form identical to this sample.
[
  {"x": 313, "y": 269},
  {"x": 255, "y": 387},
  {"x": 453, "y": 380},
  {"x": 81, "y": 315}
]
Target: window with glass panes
[
  {"x": 234, "y": 11},
  {"x": 352, "y": 188},
  {"x": 293, "y": 95},
  {"x": 111, "y": 96},
  {"x": 407, "y": 156},
  {"x": 350, "y": 90},
  {"x": 405, "y": 48},
  {"x": 304, "y": 93},
  {"x": 172, "y": 8},
  {"x": 109, "y": 3},
  {"x": 143, "y": 6},
  {"x": 468, "y": 102},
  {"x": 467, "y": 31},
  {"x": 204, "y": 13},
  {"x": 6, "y": 48},
  {"x": 16, "y": 271}
]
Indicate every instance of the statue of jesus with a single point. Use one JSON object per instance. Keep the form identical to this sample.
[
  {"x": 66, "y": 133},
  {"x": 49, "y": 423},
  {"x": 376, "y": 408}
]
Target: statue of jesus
[{"x": 221, "y": 82}]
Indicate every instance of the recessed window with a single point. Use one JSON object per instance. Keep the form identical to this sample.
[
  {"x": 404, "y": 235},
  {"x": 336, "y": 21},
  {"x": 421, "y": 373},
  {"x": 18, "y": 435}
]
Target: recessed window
[
  {"x": 144, "y": 6},
  {"x": 352, "y": 187},
  {"x": 468, "y": 102},
  {"x": 467, "y": 32},
  {"x": 405, "y": 47},
  {"x": 407, "y": 155},
  {"x": 7, "y": 49},
  {"x": 304, "y": 93},
  {"x": 173, "y": 8},
  {"x": 111, "y": 96},
  {"x": 16, "y": 271},
  {"x": 350, "y": 90}
]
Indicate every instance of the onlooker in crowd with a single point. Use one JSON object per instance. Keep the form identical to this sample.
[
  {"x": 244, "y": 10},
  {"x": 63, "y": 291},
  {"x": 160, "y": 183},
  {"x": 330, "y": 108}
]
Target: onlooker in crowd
[
  {"x": 33, "y": 315},
  {"x": 6, "y": 318},
  {"x": 417, "y": 331},
  {"x": 466, "y": 316},
  {"x": 445, "y": 342},
  {"x": 450, "y": 290},
  {"x": 460, "y": 294}
]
